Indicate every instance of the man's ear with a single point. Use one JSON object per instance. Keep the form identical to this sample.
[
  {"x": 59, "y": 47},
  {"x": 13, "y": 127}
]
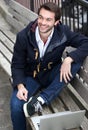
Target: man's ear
[{"x": 57, "y": 22}]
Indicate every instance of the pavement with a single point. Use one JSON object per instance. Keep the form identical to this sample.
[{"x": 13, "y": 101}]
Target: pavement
[
  {"x": 5, "y": 86},
  {"x": 5, "y": 94}
]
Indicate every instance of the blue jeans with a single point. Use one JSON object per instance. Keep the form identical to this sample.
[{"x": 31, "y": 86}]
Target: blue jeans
[{"x": 51, "y": 91}]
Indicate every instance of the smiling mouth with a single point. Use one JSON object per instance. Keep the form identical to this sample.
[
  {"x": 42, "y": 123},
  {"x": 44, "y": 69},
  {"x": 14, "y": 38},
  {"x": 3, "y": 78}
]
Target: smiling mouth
[{"x": 43, "y": 27}]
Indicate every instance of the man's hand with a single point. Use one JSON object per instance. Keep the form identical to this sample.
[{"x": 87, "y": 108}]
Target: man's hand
[
  {"x": 22, "y": 92},
  {"x": 65, "y": 71}
]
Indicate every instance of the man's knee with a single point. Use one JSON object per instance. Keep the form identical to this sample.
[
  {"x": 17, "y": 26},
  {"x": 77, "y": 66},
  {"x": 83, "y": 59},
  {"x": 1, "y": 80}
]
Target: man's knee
[
  {"x": 16, "y": 105},
  {"x": 75, "y": 68}
]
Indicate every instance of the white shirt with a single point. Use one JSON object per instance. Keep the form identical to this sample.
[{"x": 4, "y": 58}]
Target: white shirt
[{"x": 42, "y": 47}]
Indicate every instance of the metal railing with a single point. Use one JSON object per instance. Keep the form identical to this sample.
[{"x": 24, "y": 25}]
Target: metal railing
[{"x": 74, "y": 13}]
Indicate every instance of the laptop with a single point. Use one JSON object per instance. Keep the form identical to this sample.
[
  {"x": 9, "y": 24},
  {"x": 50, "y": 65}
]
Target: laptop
[{"x": 59, "y": 121}]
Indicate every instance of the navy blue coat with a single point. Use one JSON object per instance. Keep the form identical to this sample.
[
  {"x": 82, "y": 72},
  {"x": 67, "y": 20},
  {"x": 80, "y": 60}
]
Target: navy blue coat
[{"x": 27, "y": 62}]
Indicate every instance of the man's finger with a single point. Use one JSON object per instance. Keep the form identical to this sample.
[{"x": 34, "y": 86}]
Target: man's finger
[
  {"x": 65, "y": 78},
  {"x": 60, "y": 76}
]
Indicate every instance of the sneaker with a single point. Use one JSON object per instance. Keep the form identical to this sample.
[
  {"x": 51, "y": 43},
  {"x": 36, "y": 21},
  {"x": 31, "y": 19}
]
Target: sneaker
[{"x": 32, "y": 106}]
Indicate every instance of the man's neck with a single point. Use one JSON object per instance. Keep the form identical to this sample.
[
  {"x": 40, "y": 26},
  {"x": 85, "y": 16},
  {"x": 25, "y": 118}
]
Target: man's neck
[{"x": 44, "y": 36}]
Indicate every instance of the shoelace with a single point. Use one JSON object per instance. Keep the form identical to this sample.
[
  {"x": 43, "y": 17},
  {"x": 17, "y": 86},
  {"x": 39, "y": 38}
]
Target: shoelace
[{"x": 38, "y": 108}]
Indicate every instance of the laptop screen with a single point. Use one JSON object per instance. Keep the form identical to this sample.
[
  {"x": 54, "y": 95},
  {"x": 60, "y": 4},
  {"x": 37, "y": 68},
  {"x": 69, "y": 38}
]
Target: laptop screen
[{"x": 59, "y": 121}]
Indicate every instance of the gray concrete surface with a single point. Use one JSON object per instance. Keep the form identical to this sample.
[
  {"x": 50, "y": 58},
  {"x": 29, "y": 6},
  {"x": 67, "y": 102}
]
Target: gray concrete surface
[
  {"x": 5, "y": 86},
  {"x": 5, "y": 93}
]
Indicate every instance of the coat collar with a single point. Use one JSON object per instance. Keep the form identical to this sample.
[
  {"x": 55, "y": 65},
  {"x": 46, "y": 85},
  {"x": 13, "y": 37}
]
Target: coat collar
[{"x": 57, "y": 39}]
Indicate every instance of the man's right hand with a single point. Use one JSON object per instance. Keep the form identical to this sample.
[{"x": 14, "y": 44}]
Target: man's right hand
[{"x": 22, "y": 93}]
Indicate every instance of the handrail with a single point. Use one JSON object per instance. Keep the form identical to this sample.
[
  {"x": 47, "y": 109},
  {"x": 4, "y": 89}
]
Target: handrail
[{"x": 83, "y": 2}]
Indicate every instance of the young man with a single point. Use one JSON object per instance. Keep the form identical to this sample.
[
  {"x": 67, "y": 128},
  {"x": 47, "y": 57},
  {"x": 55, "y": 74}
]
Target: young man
[{"x": 37, "y": 63}]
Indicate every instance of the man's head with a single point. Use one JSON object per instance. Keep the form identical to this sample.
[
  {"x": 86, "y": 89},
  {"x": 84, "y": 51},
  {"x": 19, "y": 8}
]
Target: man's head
[
  {"x": 52, "y": 7},
  {"x": 48, "y": 17}
]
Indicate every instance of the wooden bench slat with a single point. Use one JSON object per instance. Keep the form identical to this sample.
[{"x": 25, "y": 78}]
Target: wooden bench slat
[
  {"x": 81, "y": 88},
  {"x": 5, "y": 51},
  {"x": 85, "y": 64},
  {"x": 6, "y": 41},
  {"x": 9, "y": 33},
  {"x": 31, "y": 125},
  {"x": 5, "y": 65},
  {"x": 18, "y": 26},
  {"x": 85, "y": 124},
  {"x": 68, "y": 101},
  {"x": 26, "y": 13},
  {"x": 78, "y": 99},
  {"x": 58, "y": 105},
  {"x": 84, "y": 75},
  {"x": 19, "y": 17},
  {"x": 72, "y": 105}
]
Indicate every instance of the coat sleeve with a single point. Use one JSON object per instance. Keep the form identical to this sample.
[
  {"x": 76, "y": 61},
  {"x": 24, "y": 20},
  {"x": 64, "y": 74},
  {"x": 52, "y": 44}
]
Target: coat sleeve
[
  {"x": 78, "y": 41},
  {"x": 18, "y": 61}
]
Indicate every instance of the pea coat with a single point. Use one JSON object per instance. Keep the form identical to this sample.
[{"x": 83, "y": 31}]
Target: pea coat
[{"x": 26, "y": 59}]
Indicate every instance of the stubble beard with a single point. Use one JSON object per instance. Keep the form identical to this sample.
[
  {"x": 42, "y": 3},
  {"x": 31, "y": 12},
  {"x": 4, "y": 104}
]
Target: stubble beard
[{"x": 48, "y": 30}]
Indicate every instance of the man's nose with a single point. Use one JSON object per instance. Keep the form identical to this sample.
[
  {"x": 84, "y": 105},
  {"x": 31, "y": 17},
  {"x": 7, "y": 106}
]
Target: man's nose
[{"x": 43, "y": 21}]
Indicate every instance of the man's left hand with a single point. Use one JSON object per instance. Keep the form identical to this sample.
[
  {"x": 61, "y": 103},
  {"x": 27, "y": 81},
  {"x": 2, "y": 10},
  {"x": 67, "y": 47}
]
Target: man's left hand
[{"x": 65, "y": 70}]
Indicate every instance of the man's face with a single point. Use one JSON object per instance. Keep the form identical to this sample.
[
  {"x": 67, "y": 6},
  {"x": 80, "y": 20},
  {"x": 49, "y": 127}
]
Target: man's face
[{"x": 46, "y": 21}]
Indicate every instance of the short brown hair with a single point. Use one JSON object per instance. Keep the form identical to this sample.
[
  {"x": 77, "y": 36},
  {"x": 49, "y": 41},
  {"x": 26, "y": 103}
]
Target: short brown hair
[{"x": 50, "y": 6}]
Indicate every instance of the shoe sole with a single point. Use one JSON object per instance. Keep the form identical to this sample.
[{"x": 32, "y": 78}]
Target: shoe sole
[{"x": 25, "y": 110}]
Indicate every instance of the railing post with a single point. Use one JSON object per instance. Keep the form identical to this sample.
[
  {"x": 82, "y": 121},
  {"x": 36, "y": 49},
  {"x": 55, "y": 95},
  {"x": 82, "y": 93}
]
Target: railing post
[{"x": 32, "y": 5}]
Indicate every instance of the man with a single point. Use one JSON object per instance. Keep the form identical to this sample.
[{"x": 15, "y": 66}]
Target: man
[{"x": 37, "y": 63}]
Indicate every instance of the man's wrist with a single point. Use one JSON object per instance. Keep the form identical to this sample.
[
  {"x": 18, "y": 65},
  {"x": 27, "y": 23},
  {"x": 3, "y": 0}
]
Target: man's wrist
[
  {"x": 69, "y": 59},
  {"x": 19, "y": 86}
]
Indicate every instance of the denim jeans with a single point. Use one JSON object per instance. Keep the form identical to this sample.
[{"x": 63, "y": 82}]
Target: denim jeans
[{"x": 48, "y": 94}]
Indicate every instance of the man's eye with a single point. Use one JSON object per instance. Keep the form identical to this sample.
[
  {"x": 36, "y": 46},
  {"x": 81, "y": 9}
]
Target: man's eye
[
  {"x": 48, "y": 19},
  {"x": 40, "y": 17}
]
